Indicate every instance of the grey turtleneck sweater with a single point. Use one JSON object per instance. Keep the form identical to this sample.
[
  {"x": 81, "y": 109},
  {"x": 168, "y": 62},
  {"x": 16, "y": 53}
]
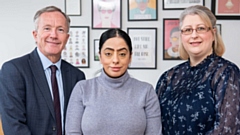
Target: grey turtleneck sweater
[{"x": 113, "y": 106}]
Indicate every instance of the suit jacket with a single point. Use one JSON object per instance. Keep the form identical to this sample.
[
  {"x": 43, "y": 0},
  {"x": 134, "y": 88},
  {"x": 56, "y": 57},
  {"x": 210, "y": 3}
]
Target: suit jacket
[{"x": 26, "y": 104}]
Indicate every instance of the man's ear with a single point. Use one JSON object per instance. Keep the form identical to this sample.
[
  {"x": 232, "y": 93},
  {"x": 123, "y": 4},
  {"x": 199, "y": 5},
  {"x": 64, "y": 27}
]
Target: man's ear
[{"x": 34, "y": 34}]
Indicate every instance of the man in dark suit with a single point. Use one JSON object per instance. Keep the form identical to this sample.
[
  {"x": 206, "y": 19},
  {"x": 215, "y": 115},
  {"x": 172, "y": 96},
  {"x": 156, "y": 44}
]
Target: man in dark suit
[{"x": 26, "y": 97}]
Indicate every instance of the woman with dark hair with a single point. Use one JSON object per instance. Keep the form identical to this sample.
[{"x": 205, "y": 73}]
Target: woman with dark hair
[
  {"x": 201, "y": 96},
  {"x": 113, "y": 103},
  {"x": 172, "y": 51}
]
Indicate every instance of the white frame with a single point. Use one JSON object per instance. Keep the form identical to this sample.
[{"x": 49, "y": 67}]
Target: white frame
[
  {"x": 76, "y": 51},
  {"x": 144, "y": 45},
  {"x": 180, "y": 5},
  {"x": 73, "y": 7}
]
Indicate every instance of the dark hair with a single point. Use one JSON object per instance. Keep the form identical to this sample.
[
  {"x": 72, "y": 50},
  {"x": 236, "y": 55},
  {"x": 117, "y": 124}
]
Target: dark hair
[
  {"x": 111, "y": 33},
  {"x": 49, "y": 9},
  {"x": 175, "y": 29}
]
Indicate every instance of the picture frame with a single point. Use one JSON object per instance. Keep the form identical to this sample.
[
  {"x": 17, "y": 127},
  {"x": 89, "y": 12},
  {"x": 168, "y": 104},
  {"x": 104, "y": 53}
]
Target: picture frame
[
  {"x": 135, "y": 10},
  {"x": 219, "y": 28},
  {"x": 76, "y": 51},
  {"x": 226, "y": 9},
  {"x": 144, "y": 48},
  {"x": 106, "y": 14},
  {"x": 96, "y": 49},
  {"x": 171, "y": 33},
  {"x": 180, "y": 5},
  {"x": 73, "y": 7}
]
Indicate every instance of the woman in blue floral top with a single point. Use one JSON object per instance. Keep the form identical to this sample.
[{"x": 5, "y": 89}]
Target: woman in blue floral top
[{"x": 200, "y": 96}]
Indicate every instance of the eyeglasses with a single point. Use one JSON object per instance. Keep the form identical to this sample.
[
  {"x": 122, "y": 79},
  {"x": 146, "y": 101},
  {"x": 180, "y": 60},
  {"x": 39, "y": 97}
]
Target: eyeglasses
[
  {"x": 199, "y": 30},
  {"x": 174, "y": 38},
  {"x": 108, "y": 11}
]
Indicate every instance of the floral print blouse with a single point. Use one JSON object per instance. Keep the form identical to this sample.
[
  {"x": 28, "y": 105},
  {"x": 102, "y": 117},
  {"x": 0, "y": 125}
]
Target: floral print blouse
[{"x": 201, "y": 100}]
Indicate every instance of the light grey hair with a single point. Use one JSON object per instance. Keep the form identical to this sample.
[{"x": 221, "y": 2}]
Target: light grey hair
[{"x": 50, "y": 9}]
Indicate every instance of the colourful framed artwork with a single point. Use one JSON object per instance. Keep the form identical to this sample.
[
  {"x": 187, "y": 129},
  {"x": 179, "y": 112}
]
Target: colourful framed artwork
[
  {"x": 171, "y": 33},
  {"x": 142, "y": 10},
  {"x": 226, "y": 9},
  {"x": 106, "y": 14},
  {"x": 76, "y": 50}
]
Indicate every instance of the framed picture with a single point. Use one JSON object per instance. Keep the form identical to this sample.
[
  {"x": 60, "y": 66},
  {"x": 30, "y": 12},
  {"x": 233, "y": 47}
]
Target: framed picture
[
  {"x": 106, "y": 14},
  {"x": 219, "y": 28},
  {"x": 73, "y": 7},
  {"x": 180, "y": 4},
  {"x": 226, "y": 9},
  {"x": 76, "y": 51},
  {"x": 96, "y": 49},
  {"x": 142, "y": 10},
  {"x": 144, "y": 43},
  {"x": 171, "y": 33}
]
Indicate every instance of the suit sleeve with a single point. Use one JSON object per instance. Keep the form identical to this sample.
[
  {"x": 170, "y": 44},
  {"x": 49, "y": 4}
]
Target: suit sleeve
[{"x": 13, "y": 101}]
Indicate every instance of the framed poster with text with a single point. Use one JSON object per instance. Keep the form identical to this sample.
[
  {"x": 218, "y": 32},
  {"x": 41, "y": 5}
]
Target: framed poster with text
[
  {"x": 144, "y": 43},
  {"x": 180, "y": 4}
]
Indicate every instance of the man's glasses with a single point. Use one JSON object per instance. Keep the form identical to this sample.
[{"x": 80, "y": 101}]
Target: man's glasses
[
  {"x": 106, "y": 11},
  {"x": 199, "y": 30}
]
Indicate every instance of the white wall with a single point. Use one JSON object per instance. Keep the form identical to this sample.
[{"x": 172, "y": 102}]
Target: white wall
[{"x": 16, "y": 22}]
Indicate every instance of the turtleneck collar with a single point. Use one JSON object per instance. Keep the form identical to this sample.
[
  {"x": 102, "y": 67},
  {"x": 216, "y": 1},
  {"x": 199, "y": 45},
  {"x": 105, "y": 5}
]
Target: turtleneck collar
[{"x": 113, "y": 83}]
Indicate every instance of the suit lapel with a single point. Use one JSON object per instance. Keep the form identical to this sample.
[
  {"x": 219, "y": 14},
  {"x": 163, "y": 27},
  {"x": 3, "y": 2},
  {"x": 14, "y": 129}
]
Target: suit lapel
[
  {"x": 66, "y": 78},
  {"x": 40, "y": 78}
]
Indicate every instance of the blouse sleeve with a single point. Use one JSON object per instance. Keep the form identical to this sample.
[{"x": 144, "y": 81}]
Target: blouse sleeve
[
  {"x": 74, "y": 113},
  {"x": 161, "y": 85},
  {"x": 226, "y": 84}
]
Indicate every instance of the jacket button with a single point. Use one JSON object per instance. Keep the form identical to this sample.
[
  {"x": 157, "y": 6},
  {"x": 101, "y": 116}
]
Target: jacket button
[{"x": 53, "y": 128}]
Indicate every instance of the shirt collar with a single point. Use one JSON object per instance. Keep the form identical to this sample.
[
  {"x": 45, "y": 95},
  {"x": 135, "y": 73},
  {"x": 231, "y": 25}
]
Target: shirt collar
[{"x": 46, "y": 62}]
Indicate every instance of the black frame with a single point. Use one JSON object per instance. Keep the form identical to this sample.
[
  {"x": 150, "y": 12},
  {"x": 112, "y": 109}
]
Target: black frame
[
  {"x": 77, "y": 53},
  {"x": 96, "y": 46},
  {"x": 152, "y": 50},
  {"x": 219, "y": 27},
  {"x": 223, "y": 16},
  {"x": 153, "y": 19},
  {"x": 180, "y": 7},
  {"x": 174, "y": 24},
  {"x": 94, "y": 2},
  {"x": 80, "y": 6}
]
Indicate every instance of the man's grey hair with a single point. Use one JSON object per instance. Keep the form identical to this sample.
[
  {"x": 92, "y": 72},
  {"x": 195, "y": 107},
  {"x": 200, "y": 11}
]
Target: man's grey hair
[{"x": 50, "y": 9}]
